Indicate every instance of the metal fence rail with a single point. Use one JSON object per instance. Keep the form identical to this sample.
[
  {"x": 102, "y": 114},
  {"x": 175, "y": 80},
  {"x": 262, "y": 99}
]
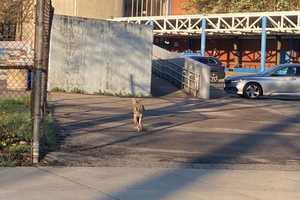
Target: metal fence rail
[{"x": 176, "y": 74}]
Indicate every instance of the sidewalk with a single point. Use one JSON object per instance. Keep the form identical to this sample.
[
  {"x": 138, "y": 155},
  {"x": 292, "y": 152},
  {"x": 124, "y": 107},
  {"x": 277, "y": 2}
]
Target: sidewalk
[{"x": 148, "y": 184}]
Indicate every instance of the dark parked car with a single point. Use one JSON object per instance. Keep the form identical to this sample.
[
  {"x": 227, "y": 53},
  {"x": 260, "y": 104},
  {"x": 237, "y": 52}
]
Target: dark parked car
[{"x": 217, "y": 69}]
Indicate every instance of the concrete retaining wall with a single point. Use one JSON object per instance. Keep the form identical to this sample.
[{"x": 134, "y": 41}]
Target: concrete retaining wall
[{"x": 98, "y": 56}]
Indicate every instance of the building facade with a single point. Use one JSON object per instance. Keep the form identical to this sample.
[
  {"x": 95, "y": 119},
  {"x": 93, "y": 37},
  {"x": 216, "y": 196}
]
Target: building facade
[
  {"x": 103, "y": 9},
  {"x": 138, "y": 8},
  {"x": 99, "y": 9}
]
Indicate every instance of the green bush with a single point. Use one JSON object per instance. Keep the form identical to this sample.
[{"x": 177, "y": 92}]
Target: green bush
[
  {"x": 49, "y": 135},
  {"x": 57, "y": 89}
]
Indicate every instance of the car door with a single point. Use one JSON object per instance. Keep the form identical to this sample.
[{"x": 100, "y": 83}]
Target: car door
[
  {"x": 284, "y": 81},
  {"x": 298, "y": 79}
]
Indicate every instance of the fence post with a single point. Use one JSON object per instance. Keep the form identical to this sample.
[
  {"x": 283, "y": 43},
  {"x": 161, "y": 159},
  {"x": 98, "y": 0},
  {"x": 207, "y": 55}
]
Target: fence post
[{"x": 38, "y": 66}]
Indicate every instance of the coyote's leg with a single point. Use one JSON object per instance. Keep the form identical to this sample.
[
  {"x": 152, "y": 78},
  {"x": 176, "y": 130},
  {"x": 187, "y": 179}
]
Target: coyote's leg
[
  {"x": 140, "y": 122},
  {"x": 135, "y": 121}
]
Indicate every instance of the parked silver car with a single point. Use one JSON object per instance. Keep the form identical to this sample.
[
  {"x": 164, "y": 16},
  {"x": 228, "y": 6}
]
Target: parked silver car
[{"x": 280, "y": 80}]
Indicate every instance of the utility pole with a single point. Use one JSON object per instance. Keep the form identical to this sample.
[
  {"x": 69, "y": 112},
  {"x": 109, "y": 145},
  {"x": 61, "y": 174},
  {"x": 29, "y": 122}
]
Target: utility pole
[{"x": 38, "y": 66}]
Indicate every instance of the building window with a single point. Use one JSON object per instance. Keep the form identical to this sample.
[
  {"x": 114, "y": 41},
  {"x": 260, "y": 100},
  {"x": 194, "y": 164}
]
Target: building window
[
  {"x": 138, "y": 8},
  {"x": 7, "y": 32}
]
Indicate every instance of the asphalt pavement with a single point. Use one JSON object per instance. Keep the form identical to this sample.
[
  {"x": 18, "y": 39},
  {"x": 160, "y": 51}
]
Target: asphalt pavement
[
  {"x": 225, "y": 148},
  {"x": 179, "y": 130}
]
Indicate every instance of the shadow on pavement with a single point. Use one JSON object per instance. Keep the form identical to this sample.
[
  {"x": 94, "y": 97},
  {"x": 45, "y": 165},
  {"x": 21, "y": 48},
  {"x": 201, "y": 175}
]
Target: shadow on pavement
[{"x": 185, "y": 182}]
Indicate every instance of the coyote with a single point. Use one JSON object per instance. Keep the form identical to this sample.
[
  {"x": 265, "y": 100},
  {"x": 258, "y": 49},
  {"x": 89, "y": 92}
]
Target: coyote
[{"x": 138, "y": 114}]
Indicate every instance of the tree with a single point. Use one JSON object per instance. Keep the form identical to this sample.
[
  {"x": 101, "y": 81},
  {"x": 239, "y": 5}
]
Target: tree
[
  {"x": 16, "y": 11},
  {"x": 14, "y": 15},
  {"x": 225, "y": 6}
]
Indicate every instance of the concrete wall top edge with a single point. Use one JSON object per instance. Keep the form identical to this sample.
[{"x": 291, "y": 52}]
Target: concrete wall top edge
[{"x": 99, "y": 20}]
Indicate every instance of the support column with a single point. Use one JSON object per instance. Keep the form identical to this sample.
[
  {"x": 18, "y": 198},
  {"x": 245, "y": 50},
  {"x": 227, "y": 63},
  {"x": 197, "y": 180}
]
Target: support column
[
  {"x": 190, "y": 44},
  {"x": 132, "y": 8},
  {"x": 278, "y": 50},
  {"x": 236, "y": 49},
  {"x": 203, "y": 37},
  {"x": 263, "y": 49}
]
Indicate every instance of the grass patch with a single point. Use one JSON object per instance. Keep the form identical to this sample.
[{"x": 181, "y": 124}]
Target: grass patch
[
  {"x": 121, "y": 94},
  {"x": 77, "y": 91},
  {"x": 15, "y": 132}
]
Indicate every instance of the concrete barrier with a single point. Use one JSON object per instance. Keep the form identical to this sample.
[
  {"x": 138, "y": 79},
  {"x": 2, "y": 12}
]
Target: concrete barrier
[{"x": 98, "y": 56}]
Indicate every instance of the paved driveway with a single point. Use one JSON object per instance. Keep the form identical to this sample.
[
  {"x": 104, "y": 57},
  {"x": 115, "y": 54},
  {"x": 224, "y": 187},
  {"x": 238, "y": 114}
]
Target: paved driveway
[{"x": 98, "y": 131}]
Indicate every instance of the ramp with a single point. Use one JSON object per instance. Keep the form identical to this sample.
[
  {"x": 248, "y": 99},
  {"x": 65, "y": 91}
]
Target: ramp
[{"x": 184, "y": 73}]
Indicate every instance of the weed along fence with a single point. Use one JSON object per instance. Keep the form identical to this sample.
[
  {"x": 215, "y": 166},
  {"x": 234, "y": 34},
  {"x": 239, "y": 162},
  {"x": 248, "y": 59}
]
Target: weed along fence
[{"x": 24, "y": 43}]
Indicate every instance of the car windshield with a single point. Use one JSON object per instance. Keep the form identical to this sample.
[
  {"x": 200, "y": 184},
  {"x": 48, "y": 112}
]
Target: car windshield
[
  {"x": 199, "y": 59},
  {"x": 268, "y": 71}
]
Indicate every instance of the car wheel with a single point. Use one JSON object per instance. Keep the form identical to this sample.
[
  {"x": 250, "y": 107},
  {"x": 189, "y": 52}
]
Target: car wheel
[
  {"x": 214, "y": 78},
  {"x": 252, "y": 91}
]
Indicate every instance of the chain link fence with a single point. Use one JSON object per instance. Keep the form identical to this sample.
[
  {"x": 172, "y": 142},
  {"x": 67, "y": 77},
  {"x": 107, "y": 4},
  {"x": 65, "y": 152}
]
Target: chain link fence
[
  {"x": 17, "y": 25},
  {"x": 19, "y": 57}
]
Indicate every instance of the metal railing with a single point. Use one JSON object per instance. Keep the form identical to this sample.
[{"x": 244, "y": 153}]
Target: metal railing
[
  {"x": 177, "y": 75},
  {"x": 184, "y": 73}
]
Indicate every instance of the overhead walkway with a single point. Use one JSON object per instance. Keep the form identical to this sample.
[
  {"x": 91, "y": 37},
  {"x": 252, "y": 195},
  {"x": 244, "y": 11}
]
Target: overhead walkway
[
  {"x": 228, "y": 24},
  {"x": 231, "y": 24}
]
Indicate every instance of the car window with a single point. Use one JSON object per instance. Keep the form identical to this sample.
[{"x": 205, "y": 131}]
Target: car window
[
  {"x": 204, "y": 60},
  {"x": 199, "y": 59},
  {"x": 297, "y": 71},
  {"x": 286, "y": 71},
  {"x": 212, "y": 61}
]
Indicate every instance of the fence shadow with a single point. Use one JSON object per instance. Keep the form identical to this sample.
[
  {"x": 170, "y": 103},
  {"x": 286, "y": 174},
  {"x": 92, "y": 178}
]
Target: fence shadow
[
  {"x": 161, "y": 88},
  {"x": 249, "y": 142}
]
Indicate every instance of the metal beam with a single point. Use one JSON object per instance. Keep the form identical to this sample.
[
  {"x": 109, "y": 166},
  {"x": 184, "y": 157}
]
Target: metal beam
[
  {"x": 234, "y": 23},
  {"x": 237, "y": 51},
  {"x": 278, "y": 50}
]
